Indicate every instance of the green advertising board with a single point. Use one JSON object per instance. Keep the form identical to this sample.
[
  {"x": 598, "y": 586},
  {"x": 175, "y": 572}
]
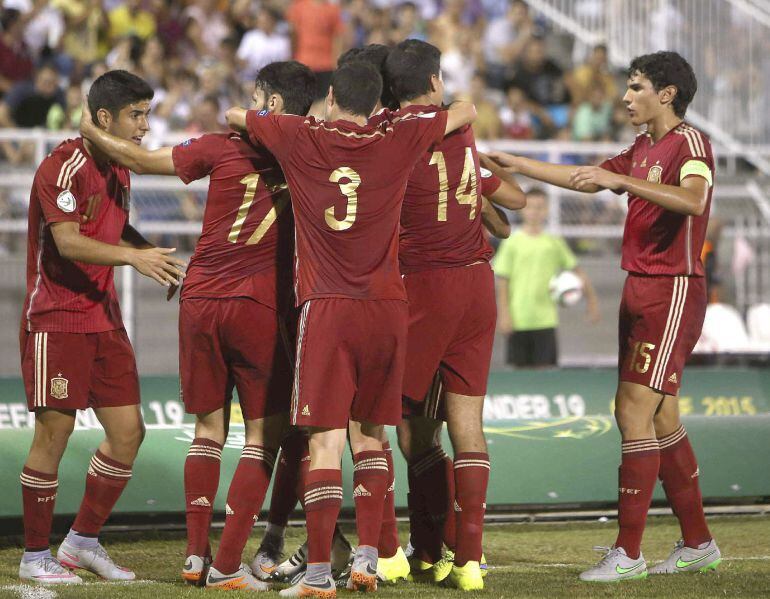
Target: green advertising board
[{"x": 551, "y": 434}]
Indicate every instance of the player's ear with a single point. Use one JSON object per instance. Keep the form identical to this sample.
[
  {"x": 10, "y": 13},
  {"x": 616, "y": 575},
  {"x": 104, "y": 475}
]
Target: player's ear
[
  {"x": 667, "y": 94},
  {"x": 275, "y": 103},
  {"x": 104, "y": 118}
]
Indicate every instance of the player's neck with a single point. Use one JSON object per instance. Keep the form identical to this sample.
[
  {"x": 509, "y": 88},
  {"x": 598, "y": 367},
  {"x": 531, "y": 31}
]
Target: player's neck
[
  {"x": 418, "y": 101},
  {"x": 662, "y": 124},
  {"x": 342, "y": 115},
  {"x": 532, "y": 229},
  {"x": 99, "y": 157}
]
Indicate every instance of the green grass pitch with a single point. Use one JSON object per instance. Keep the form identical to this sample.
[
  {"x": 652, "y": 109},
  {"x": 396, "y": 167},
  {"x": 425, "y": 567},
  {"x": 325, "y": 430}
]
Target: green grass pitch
[{"x": 526, "y": 560}]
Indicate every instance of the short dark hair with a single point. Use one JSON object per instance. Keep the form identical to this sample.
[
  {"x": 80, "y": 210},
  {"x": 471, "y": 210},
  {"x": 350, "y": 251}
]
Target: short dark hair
[
  {"x": 376, "y": 54},
  {"x": 356, "y": 87},
  {"x": 409, "y": 68},
  {"x": 664, "y": 69},
  {"x": 115, "y": 90},
  {"x": 291, "y": 80}
]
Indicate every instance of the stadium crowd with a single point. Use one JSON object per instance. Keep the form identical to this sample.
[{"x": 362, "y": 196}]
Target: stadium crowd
[{"x": 201, "y": 56}]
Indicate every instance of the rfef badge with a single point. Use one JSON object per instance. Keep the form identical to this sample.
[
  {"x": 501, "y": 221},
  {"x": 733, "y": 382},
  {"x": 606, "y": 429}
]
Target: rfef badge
[{"x": 59, "y": 387}]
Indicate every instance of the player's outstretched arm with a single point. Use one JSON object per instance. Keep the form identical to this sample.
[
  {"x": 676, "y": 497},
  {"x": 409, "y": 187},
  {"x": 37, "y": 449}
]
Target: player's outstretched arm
[
  {"x": 156, "y": 263},
  {"x": 495, "y": 220},
  {"x": 689, "y": 198},
  {"x": 555, "y": 174},
  {"x": 236, "y": 118},
  {"x": 126, "y": 153},
  {"x": 459, "y": 113},
  {"x": 509, "y": 194}
]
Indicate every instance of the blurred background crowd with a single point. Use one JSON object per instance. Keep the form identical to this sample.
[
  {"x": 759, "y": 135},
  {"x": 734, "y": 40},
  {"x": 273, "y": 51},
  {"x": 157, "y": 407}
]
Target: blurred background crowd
[{"x": 201, "y": 56}]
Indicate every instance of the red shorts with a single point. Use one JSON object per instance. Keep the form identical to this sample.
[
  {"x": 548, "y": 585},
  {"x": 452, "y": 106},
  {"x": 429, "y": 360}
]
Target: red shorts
[
  {"x": 234, "y": 342},
  {"x": 660, "y": 322},
  {"x": 350, "y": 362},
  {"x": 452, "y": 314},
  {"x": 76, "y": 371},
  {"x": 433, "y": 405}
]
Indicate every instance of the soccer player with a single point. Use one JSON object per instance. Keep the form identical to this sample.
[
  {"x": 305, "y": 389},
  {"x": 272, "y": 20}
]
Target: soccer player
[
  {"x": 236, "y": 317},
  {"x": 444, "y": 259},
  {"x": 668, "y": 173},
  {"x": 347, "y": 180},
  {"x": 75, "y": 353}
]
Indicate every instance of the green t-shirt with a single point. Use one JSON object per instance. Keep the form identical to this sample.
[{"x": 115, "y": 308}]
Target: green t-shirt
[{"x": 529, "y": 262}]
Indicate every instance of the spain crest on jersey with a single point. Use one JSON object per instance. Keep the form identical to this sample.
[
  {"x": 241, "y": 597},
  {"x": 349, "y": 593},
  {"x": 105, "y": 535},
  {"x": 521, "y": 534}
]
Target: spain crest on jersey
[
  {"x": 59, "y": 387},
  {"x": 654, "y": 174}
]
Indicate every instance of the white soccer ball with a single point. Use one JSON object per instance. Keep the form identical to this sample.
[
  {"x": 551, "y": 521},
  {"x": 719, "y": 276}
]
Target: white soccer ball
[{"x": 566, "y": 288}]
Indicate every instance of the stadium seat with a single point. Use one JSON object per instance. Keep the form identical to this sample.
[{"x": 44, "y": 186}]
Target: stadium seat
[
  {"x": 723, "y": 331},
  {"x": 758, "y": 325}
]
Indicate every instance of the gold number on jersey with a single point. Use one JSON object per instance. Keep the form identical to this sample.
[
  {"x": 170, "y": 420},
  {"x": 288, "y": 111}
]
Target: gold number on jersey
[
  {"x": 250, "y": 181},
  {"x": 437, "y": 158},
  {"x": 467, "y": 190},
  {"x": 349, "y": 191},
  {"x": 640, "y": 357}
]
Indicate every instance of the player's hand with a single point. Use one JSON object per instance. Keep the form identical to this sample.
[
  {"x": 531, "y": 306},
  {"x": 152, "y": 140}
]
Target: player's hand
[
  {"x": 158, "y": 264},
  {"x": 584, "y": 177},
  {"x": 508, "y": 161},
  {"x": 86, "y": 123}
]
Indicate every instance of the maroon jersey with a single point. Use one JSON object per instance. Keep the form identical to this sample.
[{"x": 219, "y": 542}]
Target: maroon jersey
[
  {"x": 347, "y": 185},
  {"x": 441, "y": 217},
  {"x": 247, "y": 242},
  {"x": 657, "y": 241},
  {"x": 65, "y": 296}
]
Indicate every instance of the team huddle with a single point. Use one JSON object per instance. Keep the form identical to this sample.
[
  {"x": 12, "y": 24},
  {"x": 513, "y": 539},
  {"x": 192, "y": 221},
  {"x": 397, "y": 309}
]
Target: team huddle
[{"x": 341, "y": 284}]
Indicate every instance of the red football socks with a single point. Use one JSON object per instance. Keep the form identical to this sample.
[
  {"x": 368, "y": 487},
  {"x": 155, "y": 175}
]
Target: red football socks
[
  {"x": 323, "y": 499},
  {"x": 105, "y": 481},
  {"x": 388, "y": 543},
  {"x": 201, "y": 479},
  {"x": 679, "y": 473},
  {"x": 38, "y": 493},
  {"x": 370, "y": 482},
  {"x": 637, "y": 475},
  {"x": 244, "y": 500},
  {"x": 471, "y": 472}
]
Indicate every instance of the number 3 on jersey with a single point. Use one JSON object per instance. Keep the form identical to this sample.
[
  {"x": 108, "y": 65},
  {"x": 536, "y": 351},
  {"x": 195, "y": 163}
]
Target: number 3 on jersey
[
  {"x": 349, "y": 191},
  {"x": 251, "y": 181},
  {"x": 463, "y": 195}
]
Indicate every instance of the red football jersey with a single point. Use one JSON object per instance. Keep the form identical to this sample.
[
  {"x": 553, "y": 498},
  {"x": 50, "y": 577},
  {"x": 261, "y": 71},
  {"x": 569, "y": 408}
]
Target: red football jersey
[
  {"x": 247, "y": 242},
  {"x": 65, "y": 296},
  {"x": 657, "y": 241},
  {"x": 441, "y": 218},
  {"x": 347, "y": 185}
]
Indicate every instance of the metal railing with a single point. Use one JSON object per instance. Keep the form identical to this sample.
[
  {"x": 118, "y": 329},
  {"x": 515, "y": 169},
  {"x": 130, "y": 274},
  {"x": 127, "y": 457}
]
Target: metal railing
[{"x": 726, "y": 41}]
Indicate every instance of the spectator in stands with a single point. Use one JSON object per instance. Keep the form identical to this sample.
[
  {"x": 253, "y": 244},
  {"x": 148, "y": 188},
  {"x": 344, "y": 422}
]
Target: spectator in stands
[
  {"x": 542, "y": 80},
  {"x": 43, "y": 31},
  {"x": 28, "y": 102},
  {"x": 262, "y": 45},
  {"x": 409, "y": 24},
  {"x": 317, "y": 37},
  {"x": 504, "y": 42},
  {"x": 206, "y": 117},
  {"x": 592, "y": 120},
  {"x": 709, "y": 257},
  {"x": 524, "y": 265},
  {"x": 67, "y": 116},
  {"x": 15, "y": 58},
  {"x": 516, "y": 116},
  {"x": 591, "y": 74},
  {"x": 487, "y": 124},
  {"x": 85, "y": 21},
  {"x": 130, "y": 19},
  {"x": 206, "y": 27}
]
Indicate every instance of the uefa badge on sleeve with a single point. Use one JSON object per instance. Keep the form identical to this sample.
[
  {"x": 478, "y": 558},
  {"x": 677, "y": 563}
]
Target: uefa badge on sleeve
[
  {"x": 59, "y": 387},
  {"x": 66, "y": 201}
]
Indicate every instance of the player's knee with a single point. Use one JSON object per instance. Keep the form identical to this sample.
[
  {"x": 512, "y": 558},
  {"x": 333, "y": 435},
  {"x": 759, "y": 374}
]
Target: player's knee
[
  {"x": 665, "y": 423},
  {"x": 51, "y": 439}
]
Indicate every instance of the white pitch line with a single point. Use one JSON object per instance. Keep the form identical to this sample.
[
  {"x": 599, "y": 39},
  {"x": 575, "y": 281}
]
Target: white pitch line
[
  {"x": 757, "y": 558},
  {"x": 26, "y": 591}
]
